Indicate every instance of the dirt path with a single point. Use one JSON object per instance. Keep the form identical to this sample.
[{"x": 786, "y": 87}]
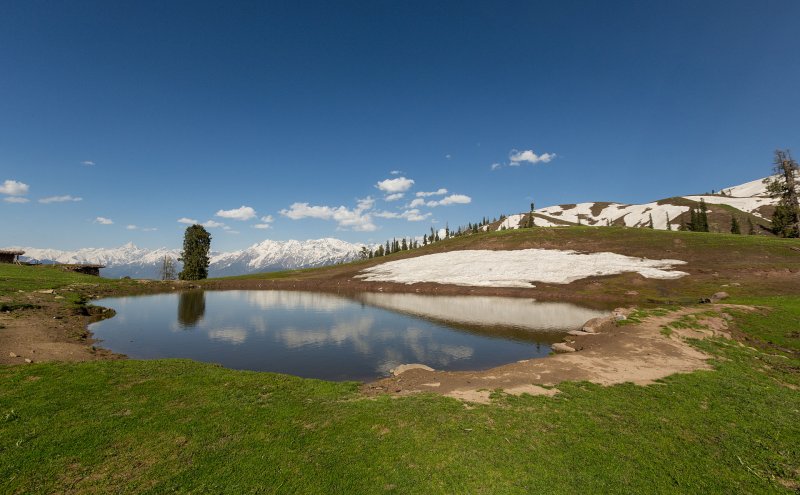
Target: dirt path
[{"x": 638, "y": 353}]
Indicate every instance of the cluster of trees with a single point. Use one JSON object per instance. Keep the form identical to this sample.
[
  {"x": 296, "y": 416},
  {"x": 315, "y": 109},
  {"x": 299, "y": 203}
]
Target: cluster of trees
[{"x": 698, "y": 218}]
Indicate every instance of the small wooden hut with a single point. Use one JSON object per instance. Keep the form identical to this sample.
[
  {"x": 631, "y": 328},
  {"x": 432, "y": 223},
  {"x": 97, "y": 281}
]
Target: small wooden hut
[
  {"x": 10, "y": 256},
  {"x": 87, "y": 269}
]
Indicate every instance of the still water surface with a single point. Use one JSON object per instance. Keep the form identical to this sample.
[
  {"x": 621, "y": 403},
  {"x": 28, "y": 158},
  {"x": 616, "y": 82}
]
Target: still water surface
[{"x": 334, "y": 337}]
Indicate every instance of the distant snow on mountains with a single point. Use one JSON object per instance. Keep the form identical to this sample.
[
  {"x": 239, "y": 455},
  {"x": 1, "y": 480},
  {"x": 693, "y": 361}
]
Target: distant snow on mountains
[{"x": 132, "y": 261}]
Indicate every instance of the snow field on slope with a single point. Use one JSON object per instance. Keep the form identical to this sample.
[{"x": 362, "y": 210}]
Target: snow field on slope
[{"x": 519, "y": 268}]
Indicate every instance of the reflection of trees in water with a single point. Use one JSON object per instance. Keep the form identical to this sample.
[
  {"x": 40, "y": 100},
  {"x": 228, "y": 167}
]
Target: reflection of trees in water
[{"x": 191, "y": 307}]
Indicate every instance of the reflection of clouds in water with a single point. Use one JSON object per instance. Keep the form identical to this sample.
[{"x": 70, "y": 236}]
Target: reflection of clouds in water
[
  {"x": 271, "y": 299},
  {"x": 259, "y": 323},
  {"x": 355, "y": 331},
  {"x": 233, "y": 335},
  {"x": 486, "y": 310},
  {"x": 426, "y": 351}
]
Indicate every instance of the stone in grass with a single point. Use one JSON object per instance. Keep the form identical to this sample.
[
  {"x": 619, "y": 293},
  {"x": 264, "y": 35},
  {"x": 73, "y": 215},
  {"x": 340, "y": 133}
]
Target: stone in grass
[{"x": 562, "y": 347}]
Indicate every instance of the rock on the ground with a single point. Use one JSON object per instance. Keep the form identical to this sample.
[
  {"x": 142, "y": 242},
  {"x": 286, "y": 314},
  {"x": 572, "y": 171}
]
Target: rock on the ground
[
  {"x": 405, "y": 367},
  {"x": 562, "y": 347},
  {"x": 719, "y": 296}
]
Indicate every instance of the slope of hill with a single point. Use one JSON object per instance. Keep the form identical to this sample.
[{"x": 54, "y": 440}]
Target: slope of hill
[
  {"x": 130, "y": 260},
  {"x": 745, "y": 201}
]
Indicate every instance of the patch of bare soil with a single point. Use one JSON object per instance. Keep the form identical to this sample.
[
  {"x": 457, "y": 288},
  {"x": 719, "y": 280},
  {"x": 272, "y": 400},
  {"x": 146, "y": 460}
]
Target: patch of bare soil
[
  {"x": 637, "y": 353},
  {"x": 51, "y": 332}
]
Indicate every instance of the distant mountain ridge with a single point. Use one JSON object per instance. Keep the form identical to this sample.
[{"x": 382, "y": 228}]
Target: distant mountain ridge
[{"x": 132, "y": 261}]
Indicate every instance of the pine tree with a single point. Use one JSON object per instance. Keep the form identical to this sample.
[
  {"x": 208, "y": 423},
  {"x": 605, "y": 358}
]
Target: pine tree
[
  {"x": 404, "y": 246},
  {"x": 703, "y": 216},
  {"x": 388, "y": 249},
  {"x": 425, "y": 240},
  {"x": 735, "y": 226},
  {"x": 651, "y": 222},
  {"x": 786, "y": 219},
  {"x": 751, "y": 229},
  {"x": 196, "y": 245},
  {"x": 669, "y": 225}
]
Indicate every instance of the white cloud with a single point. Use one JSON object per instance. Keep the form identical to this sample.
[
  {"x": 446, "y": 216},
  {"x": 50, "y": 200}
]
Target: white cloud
[
  {"x": 412, "y": 215},
  {"x": 356, "y": 219},
  {"x": 230, "y": 231},
  {"x": 266, "y": 221},
  {"x": 529, "y": 156},
  {"x": 495, "y": 166},
  {"x": 242, "y": 213},
  {"x": 439, "y": 192},
  {"x": 416, "y": 202},
  {"x": 398, "y": 185},
  {"x": 453, "y": 199},
  {"x": 212, "y": 224},
  {"x": 14, "y": 188},
  {"x": 448, "y": 156},
  {"x": 87, "y": 163},
  {"x": 149, "y": 229},
  {"x": 394, "y": 197},
  {"x": 131, "y": 227},
  {"x": 396, "y": 172},
  {"x": 60, "y": 199},
  {"x": 187, "y": 221},
  {"x": 103, "y": 221},
  {"x": 15, "y": 199}
]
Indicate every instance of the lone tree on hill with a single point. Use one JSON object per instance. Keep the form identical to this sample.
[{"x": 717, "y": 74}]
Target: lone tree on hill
[
  {"x": 751, "y": 229},
  {"x": 196, "y": 245},
  {"x": 786, "y": 219}
]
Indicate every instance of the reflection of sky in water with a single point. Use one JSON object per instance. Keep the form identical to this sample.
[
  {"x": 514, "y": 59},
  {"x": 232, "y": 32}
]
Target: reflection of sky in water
[{"x": 332, "y": 337}]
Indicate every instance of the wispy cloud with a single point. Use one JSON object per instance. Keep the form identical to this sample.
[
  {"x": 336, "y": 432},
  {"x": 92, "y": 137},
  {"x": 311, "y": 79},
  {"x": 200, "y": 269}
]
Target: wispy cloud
[
  {"x": 15, "y": 199},
  {"x": 88, "y": 163},
  {"x": 517, "y": 158},
  {"x": 213, "y": 224},
  {"x": 453, "y": 199},
  {"x": 357, "y": 219},
  {"x": 242, "y": 213},
  {"x": 14, "y": 188},
  {"x": 141, "y": 229},
  {"x": 413, "y": 215},
  {"x": 395, "y": 172},
  {"x": 103, "y": 221},
  {"x": 394, "y": 197},
  {"x": 187, "y": 221},
  {"x": 529, "y": 156},
  {"x": 60, "y": 199},
  {"x": 439, "y": 192},
  {"x": 266, "y": 222},
  {"x": 416, "y": 202}
]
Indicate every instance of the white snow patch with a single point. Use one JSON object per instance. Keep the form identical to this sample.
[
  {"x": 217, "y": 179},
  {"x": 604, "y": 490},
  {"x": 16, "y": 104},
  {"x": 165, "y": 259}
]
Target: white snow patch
[
  {"x": 511, "y": 222},
  {"x": 519, "y": 268},
  {"x": 749, "y": 205}
]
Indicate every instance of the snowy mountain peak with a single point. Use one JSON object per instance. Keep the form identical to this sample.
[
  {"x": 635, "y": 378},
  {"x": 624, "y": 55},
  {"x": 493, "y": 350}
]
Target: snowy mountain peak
[{"x": 264, "y": 256}]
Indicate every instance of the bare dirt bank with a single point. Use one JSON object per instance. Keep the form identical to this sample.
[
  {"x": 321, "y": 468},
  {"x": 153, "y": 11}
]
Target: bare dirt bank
[{"x": 639, "y": 353}]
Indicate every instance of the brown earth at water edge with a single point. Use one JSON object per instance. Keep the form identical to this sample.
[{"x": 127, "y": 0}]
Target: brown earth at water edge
[
  {"x": 51, "y": 332},
  {"x": 639, "y": 353}
]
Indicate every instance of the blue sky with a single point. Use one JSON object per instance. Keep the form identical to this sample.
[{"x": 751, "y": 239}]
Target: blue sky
[{"x": 152, "y": 112}]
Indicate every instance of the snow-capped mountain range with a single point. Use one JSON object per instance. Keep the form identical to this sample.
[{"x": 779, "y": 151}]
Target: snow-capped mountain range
[{"x": 265, "y": 256}]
